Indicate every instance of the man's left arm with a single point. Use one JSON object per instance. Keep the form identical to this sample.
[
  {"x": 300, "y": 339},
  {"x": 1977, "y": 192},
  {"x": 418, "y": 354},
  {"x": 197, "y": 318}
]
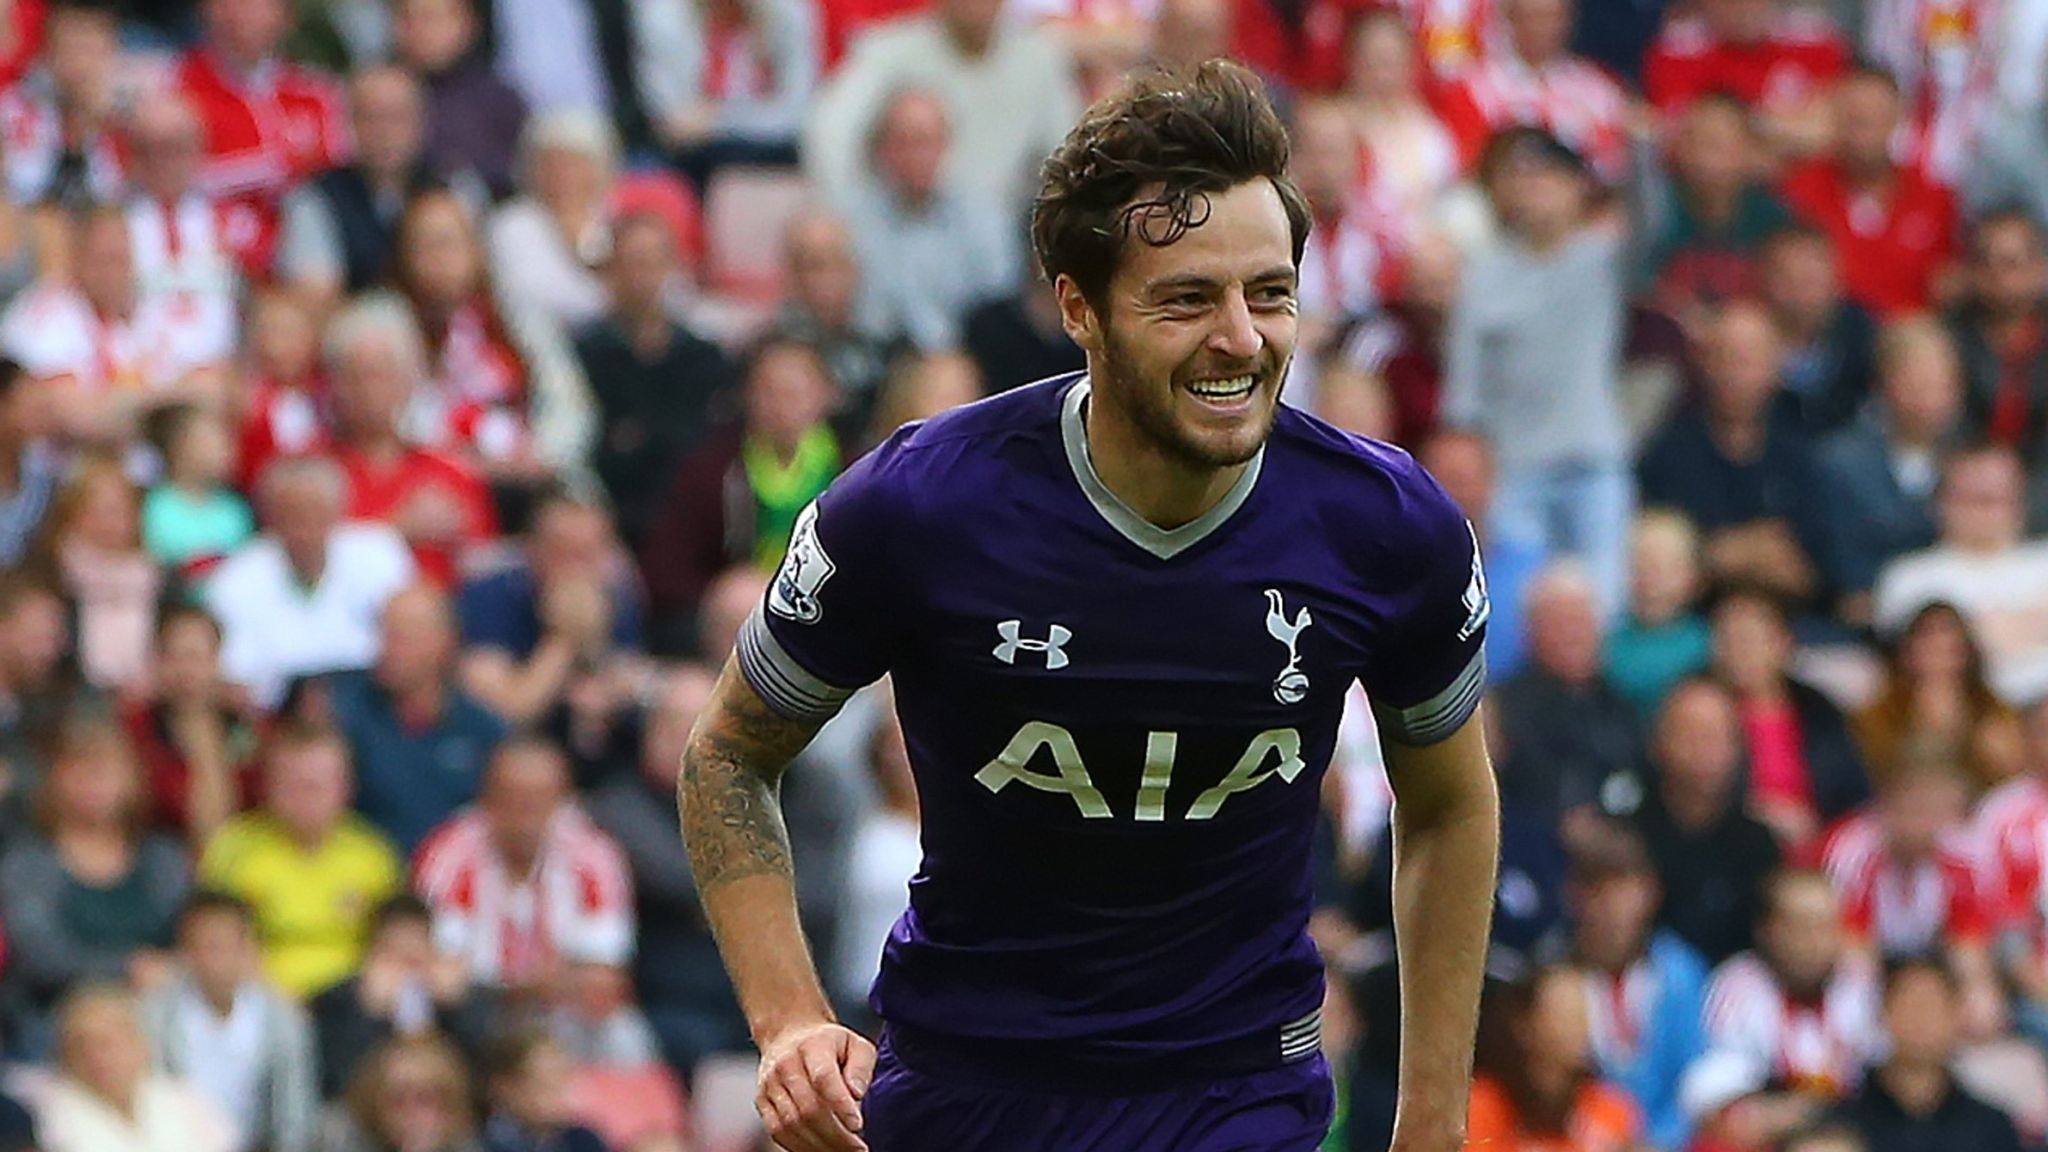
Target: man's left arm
[{"x": 1446, "y": 849}]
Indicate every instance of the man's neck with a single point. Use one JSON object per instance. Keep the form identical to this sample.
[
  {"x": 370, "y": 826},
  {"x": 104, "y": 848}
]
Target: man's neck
[
  {"x": 1920, "y": 1088},
  {"x": 968, "y": 45},
  {"x": 1543, "y": 242},
  {"x": 1739, "y": 436},
  {"x": 219, "y": 1001},
  {"x": 647, "y": 329},
  {"x": 421, "y": 704},
  {"x": 1694, "y": 813},
  {"x": 1715, "y": 205},
  {"x": 387, "y": 179},
  {"x": 1166, "y": 492},
  {"x": 1869, "y": 176},
  {"x": 308, "y": 570}
]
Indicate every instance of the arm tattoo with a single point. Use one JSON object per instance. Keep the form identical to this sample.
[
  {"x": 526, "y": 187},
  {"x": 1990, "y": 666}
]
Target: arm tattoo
[{"x": 729, "y": 789}]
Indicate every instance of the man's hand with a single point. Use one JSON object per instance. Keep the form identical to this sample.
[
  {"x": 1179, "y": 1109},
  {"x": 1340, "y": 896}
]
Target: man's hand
[{"x": 812, "y": 1080}]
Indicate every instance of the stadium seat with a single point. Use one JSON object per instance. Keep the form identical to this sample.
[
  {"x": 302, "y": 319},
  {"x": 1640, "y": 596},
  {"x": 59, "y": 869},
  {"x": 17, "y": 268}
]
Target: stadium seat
[{"x": 745, "y": 212}]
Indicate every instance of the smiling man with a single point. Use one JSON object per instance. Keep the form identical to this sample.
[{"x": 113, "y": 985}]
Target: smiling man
[{"x": 1120, "y": 611}]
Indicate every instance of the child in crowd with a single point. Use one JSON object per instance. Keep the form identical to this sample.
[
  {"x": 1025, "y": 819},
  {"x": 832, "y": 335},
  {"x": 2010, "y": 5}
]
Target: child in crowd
[
  {"x": 532, "y": 1106},
  {"x": 620, "y": 1085},
  {"x": 94, "y": 552},
  {"x": 1663, "y": 639},
  {"x": 287, "y": 398},
  {"x": 193, "y": 518}
]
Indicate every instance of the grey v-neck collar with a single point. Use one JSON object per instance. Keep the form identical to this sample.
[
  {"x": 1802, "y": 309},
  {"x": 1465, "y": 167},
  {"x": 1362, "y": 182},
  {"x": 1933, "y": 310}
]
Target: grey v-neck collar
[{"x": 1165, "y": 543}]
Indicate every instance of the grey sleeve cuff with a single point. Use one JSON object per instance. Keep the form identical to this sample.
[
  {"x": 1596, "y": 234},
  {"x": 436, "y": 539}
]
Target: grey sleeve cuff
[
  {"x": 1440, "y": 715},
  {"x": 786, "y": 685}
]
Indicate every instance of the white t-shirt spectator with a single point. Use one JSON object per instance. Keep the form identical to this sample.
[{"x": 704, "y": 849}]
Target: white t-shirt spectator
[
  {"x": 54, "y": 333},
  {"x": 884, "y": 857},
  {"x": 273, "y": 629},
  {"x": 183, "y": 254},
  {"x": 1757, "y": 1035},
  {"x": 2004, "y": 596}
]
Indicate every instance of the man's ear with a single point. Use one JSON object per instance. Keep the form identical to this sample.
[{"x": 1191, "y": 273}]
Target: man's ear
[{"x": 1077, "y": 315}]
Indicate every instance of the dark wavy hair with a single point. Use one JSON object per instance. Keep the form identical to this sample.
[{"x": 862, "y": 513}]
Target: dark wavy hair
[{"x": 1146, "y": 160}]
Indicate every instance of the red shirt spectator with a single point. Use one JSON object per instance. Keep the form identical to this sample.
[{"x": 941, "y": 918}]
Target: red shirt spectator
[
  {"x": 1905, "y": 904},
  {"x": 1534, "y": 80},
  {"x": 65, "y": 107},
  {"x": 23, "y": 38},
  {"x": 269, "y": 123},
  {"x": 1895, "y": 229},
  {"x": 1787, "y": 58},
  {"x": 2012, "y": 829}
]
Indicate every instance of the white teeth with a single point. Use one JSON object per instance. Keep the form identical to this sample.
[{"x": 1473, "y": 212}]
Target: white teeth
[{"x": 1223, "y": 389}]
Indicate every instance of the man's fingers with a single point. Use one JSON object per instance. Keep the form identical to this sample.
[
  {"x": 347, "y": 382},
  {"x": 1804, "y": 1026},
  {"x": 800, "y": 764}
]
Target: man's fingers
[
  {"x": 817, "y": 1126},
  {"x": 821, "y": 1065},
  {"x": 859, "y": 1065}
]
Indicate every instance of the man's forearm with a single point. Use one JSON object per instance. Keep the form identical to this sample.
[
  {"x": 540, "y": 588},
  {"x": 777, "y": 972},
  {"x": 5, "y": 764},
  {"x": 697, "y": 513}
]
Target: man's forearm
[
  {"x": 1446, "y": 850},
  {"x": 739, "y": 852}
]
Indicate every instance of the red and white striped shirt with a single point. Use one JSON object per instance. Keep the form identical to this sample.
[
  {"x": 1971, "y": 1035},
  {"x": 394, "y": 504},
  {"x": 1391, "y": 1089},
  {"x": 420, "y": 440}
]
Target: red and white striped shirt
[
  {"x": 183, "y": 255},
  {"x": 32, "y": 140},
  {"x": 577, "y": 904},
  {"x": 2012, "y": 827},
  {"x": 1904, "y": 908},
  {"x": 1944, "y": 55},
  {"x": 1574, "y": 99},
  {"x": 1820, "y": 1047}
]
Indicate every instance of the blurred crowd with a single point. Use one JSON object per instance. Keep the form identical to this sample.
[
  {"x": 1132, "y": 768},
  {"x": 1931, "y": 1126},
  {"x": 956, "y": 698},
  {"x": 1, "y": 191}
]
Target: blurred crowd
[{"x": 403, "y": 403}]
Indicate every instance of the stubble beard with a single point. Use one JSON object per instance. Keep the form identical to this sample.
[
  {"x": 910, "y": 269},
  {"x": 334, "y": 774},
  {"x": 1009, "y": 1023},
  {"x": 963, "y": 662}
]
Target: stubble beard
[{"x": 1150, "y": 409}]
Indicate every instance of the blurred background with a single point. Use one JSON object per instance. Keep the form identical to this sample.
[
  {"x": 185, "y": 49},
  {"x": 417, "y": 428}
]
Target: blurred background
[{"x": 404, "y": 401}]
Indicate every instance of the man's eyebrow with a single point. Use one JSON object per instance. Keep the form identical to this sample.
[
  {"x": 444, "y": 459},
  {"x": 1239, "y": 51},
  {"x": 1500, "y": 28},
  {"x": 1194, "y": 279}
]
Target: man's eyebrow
[{"x": 1199, "y": 280}]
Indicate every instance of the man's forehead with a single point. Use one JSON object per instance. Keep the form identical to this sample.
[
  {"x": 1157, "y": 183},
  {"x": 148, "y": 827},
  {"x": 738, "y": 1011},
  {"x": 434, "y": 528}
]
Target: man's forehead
[{"x": 1239, "y": 234}]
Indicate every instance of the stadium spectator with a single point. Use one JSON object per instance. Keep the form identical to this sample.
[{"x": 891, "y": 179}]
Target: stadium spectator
[
  {"x": 522, "y": 883},
  {"x": 1534, "y": 346},
  {"x": 528, "y": 1080},
  {"x": 885, "y": 855},
  {"x": 1911, "y": 1099},
  {"x": 436, "y": 501},
  {"x": 1353, "y": 248},
  {"x": 107, "y": 1099},
  {"x": 921, "y": 388},
  {"x": 303, "y": 598},
  {"x": 1538, "y": 1086},
  {"x": 1894, "y": 227},
  {"x": 269, "y": 122},
  {"x": 1402, "y": 343},
  {"x": 192, "y": 517},
  {"x": 1353, "y": 401},
  {"x": 736, "y": 499},
  {"x": 310, "y": 870},
  {"x": 547, "y": 244},
  {"x": 599, "y": 1026},
  {"x": 1878, "y": 474},
  {"x": 1404, "y": 152},
  {"x": 403, "y": 990},
  {"x": 566, "y": 609},
  {"x": 1983, "y": 566},
  {"x": 340, "y": 228},
  {"x": 1909, "y": 889},
  {"x": 185, "y": 242},
  {"x": 654, "y": 381},
  {"x": 1018, "y": 339},
  {"x": 1463, "y": 464},
  {"x": 412, "y": 1094},
  {"x": 90, "y": 894},
  {"x": 1711, "y": 214},
  {"x": 193, "y": 733},
  {"x": 93, "y": 550},
  {"x": 1829, "y": 342},
  {"x": 827, "y": 308},
  {"x": 1736, "y": 462},
  {"x": 1186, "y": 32},
  {"x": 2010, "y": 829},
  {"x": 504, "y": 390},
  {"x": 1791, "y": 1025},
  {"x": 108, "y": 351},
  {"x": 1935, "y": 701},
  {"x": 474, "y": 120},
  {"x": 63, "y": 142},
  {"x": 38, "y": 683},
  {"x": 1532, "y": 77},
  {"x": 1645, "y": 988},
  {"x": 1009, "y": 93},
  {"x": 1663, "y": 638},
  {"x": 1711, "y": 855},
  {"x": 419, "y": 742},
  {"x": 286, "y": 404},
  {"x": 928, "y": 250},
  {"x": 2001, "y": 331},
  {"x": 731, "y": 81},
  {"x": 1804, "y": 768},
  {"x": 1564, "y": 731},
  {"x": 1106, "y": 41},
  {"x": 219, "y": 1027},
  {"x": 677, "y": 972},
  {"x": 1766, "y": 53},
  {"x": 30, "y": 469}
]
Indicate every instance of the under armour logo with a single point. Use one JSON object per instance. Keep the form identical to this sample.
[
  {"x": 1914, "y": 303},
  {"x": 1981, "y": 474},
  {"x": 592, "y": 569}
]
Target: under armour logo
[
  {"x": 1014, "y": 641},
  {"x": 1291, "y": 685}
]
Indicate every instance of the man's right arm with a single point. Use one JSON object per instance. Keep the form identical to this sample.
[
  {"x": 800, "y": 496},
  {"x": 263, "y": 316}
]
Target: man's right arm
[{"x": 813, "y": 1071}]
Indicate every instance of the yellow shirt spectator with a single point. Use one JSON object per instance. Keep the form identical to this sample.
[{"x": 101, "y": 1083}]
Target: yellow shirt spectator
[{"x": 312, "y": 905}]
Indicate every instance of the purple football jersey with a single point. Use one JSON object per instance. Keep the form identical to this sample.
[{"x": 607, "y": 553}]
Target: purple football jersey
[{"x": 1119, "y": 731}]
